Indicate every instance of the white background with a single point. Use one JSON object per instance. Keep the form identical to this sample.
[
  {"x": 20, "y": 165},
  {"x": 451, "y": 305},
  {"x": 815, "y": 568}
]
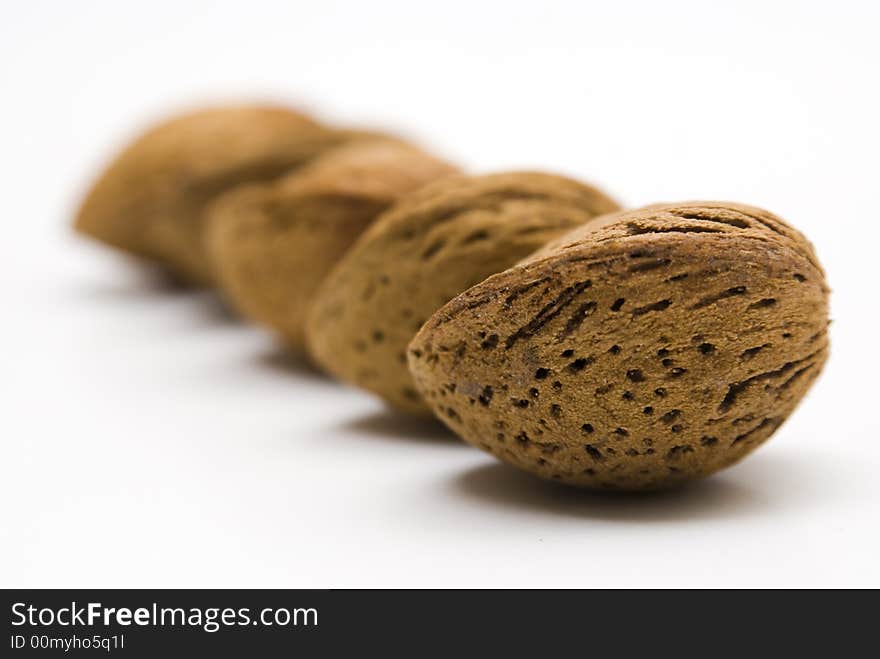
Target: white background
[{"x": 147, "y": 438}]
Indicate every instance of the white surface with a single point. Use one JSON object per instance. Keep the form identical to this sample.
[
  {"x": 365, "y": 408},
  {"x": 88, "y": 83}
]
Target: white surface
[{"x": 147, "y": 439}]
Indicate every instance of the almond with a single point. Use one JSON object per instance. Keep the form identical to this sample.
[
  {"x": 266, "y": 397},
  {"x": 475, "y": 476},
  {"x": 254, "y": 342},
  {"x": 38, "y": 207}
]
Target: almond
[
  {"x": 644, "y": 350},
  {"x": 421, "y": 253},
  {"x": 272, "y": 244}
]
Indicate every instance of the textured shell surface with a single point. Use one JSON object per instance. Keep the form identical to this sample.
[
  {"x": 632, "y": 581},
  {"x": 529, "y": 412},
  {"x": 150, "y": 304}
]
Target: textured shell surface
[
  {"x": 647, "y": 349},
  {"x": 272, "y": 244},
  {"x": 422, "y": 252},
  {"x": 150, "y": 199}
]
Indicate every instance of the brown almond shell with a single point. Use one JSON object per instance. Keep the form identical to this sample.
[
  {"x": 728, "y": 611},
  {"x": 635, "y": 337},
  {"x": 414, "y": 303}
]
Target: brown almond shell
[
  {"x": 272, "y": 244},
  {"x": 648, "y": 349},
  {"x": 421, "y": 253},
  {"x": 150, "y": 200}
]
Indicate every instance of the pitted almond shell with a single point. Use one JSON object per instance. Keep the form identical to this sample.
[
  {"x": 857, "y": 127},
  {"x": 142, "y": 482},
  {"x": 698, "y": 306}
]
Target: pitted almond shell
[
  {"x": 422, "y": 252},
  {"x": 650, "y": 348},
  {"x": 272, "y": 244}
]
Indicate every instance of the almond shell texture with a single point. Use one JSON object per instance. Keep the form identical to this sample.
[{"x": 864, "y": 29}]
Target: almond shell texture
[
  {"x": 421, "y": 253},
  {"x": 650, "y": 348},
  {"x": 272, "y": 244},
  {"x": 150, "y": 200}
]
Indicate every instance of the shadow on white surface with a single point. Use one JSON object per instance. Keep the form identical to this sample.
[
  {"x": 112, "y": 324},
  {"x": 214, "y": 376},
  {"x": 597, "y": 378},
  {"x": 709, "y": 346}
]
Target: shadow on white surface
[
  {"x": 136, "y": 278},
  {"x": 751, "y": 489},
  {"x": 392, "y": 425},
  {"x": 143, "y": 283},
  {"x": 284, "y": 362}
]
